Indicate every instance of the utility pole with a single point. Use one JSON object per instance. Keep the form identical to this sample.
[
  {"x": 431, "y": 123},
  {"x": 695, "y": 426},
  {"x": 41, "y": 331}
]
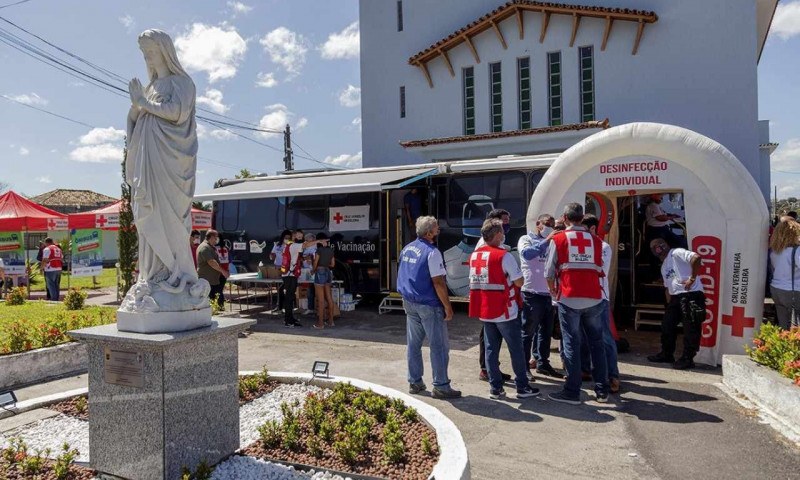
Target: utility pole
[{"x": 288, "y": 158}]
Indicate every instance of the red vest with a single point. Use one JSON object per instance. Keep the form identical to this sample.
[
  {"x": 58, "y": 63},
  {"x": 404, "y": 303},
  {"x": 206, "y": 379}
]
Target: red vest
[
  {"x": 490, "y": 296},
  {"x": 580, "y": 264},
  {"x": 55, "y": 257},
  {"x": 287, "y": 261},
  {"x": 224, "y": 260}
]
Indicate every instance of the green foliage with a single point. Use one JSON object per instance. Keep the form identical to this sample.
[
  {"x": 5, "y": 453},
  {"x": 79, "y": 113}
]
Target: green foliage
[
  {"x": 128, "y": 241},
  {"x": 251, "y": 384},
  {"x": 270, "y": 433},
  {"x": 393, "y": 447},
  {"x": 81, "y": 405},
  {"x": 778, "y": 349},
  {"x": 326, "y": 431},
  {"x": 244, "y": 173},
  {"x": 74, "y": 299},
  {"x": 291, "y": 432},
  {"x": 314, "y": 446},
  {"x": 314, "y": 411},
  {"x": 410, "y": 414},
  {"x": 63, "y": 461},
  {"x": 427, "y": 445},
  {"x": 216, "y": 307},
  {"x": 39, "y": 324},
  {"x": 17, "y": 296}
]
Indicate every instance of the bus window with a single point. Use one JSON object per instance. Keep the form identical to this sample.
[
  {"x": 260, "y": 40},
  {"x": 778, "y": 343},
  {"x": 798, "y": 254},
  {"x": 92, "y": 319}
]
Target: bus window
[
  {"x": 229, "y": 211},
  {"x": 536, "y": 177},
  {"x": 307, "y": 212},
  {"x": 470, "y": 196}
]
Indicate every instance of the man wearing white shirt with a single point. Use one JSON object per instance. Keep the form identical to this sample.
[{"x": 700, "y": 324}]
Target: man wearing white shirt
[{"x": 685, "y": 303}]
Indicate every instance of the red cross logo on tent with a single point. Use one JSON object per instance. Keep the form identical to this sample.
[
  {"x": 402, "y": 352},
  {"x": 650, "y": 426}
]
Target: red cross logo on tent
[
  {"x": 51, "y": 224},
  {"x": 338, "y": 218},
  {"x": 738, "y": 322},
  {"x": 579, "y": 241},
  {"x": 479, "y": 261},
  {"x": 101, "y": 221}
]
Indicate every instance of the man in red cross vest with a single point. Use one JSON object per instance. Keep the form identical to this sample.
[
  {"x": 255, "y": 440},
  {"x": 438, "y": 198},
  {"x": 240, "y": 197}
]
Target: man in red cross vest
[
  {"x": 573, "y": 270},
  {"x": 53, "y": 261},
  {"x": 686, "y": 303},
  {"x": 494, "y": 298}
]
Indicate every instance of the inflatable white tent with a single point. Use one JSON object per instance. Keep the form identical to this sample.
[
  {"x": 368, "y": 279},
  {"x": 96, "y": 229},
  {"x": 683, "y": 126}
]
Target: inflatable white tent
[{"x": 726, "y": 215}]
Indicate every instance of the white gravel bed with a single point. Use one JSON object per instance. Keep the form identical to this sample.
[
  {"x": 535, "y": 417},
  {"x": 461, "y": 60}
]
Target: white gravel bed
[
  {"x": 249, "y": 468},
  {"x": 252, "y": 415},
  {"x": 52, "y": 433}
]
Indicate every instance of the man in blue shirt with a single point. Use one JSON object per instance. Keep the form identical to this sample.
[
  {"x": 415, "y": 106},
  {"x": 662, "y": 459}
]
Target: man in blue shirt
[
  {"x": 412, "y": 209},
  {"x": 421, "y": 282}
]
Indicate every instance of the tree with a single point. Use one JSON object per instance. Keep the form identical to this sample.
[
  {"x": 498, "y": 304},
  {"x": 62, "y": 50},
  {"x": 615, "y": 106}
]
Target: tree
[
  {"x": 244, "y": 173},
  {"x": 128, "y": 241},
  {"x": 205, "y": 206}
]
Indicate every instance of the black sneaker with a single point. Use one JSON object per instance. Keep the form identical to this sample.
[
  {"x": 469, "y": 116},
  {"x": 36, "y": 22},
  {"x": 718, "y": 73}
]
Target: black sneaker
[
  {"x": 416, "y": 388},
  {"x": 506, "y": 377},
  {"x": 528, "y": 392},
  {"x": 602, "y": 397},
  {"x": 660, "y": 357},
  {"x": 497, "y": 394},
  {"x": 446, "y": 392},
  {"x": 683, "y": 363},
  {"x": 548, "y": 371},
  {"x": 562, "y": 397}
]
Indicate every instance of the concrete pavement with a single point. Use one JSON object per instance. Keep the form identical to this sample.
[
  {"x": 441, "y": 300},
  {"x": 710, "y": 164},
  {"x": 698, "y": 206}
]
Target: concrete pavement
[{"x": 666, "y": 424}]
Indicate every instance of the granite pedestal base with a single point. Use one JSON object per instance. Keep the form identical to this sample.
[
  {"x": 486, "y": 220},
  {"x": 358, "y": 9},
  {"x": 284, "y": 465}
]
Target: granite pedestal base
[{"x": 174, "y": 405}]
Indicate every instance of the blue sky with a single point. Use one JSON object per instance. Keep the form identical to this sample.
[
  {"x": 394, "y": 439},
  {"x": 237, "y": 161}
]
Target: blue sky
[{"x": 267, "y": 62}]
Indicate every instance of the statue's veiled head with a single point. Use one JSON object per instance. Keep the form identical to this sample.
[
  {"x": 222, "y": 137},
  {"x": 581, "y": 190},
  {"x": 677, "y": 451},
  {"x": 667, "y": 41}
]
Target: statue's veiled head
[{"x": 159, "y": 51}]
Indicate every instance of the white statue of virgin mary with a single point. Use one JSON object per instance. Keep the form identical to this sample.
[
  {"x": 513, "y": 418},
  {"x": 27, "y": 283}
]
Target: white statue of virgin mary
[{"x": 160, "y": 168}]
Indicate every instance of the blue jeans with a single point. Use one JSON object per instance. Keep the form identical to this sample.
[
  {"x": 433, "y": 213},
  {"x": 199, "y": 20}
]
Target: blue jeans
[
  {"x": 609, "y": 343},
  {"x": 426, "y": 321},
  {"x": 511, "y": 332},
  {"x": 537, "y": 327},
  {"x": 53, "y": 282},
  {"x": 574, "y": 323}
]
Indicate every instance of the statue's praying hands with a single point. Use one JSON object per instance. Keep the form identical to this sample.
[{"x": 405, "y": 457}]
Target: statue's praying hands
[{"x": 136, "y": 91}]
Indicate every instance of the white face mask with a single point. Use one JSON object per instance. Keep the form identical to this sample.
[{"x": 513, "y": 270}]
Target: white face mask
[{"x": 546, "y": 231}]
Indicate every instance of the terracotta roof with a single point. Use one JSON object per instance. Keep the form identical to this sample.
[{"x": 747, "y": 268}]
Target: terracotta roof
[
  {"x": 511, "y": 133},
  {"x": 518, "y": 6},
  {"x": 70, "y": 201}
]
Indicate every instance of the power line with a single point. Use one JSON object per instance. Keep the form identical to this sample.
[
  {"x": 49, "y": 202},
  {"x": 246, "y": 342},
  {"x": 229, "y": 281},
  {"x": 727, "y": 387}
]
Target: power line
[
  {"x": 47, "y": 112},
  {"x": 783, "y": 171},
  {"x": 15, "y": 3}
]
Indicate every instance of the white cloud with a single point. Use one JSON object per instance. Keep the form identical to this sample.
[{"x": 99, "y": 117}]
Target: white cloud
[
  {"x": 102, "y": 153},
  {"x": 341, "y": 45},
  {"x": 350, "y": 96},
  {"x": 44, "y": 179},
  {"x": 239, "y": 8},
  {"x": 277, "y": 119},
  {"x": 266, "y": 80},
  {"x": 286, "y": 48},
  {"x": 787, "y": 156},
  {"x": 128, "y": 22},
  {"x": 97, "y": 136},
  {"x": 220, "y": 134},
  {"x": 24, "y": 151},
  {"x": 213, "y": 100},
  {"x": 99, "y": 145},
  {"x": 356, "y": 123},
  {"x": 32, "y": 99},
  {"x": 214, "y": 50},
  {"x": 345, "y": 160},
  {"x": 54, "y": 151},
  {"x": 786, "y": 23}
]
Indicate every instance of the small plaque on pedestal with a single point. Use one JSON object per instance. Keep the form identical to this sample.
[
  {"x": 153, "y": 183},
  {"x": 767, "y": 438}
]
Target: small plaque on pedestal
[{"x": 123, "y": 367}]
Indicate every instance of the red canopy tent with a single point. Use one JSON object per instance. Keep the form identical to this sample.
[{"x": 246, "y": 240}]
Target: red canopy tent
[
  {"x": 107, "y": 218},
  {"x": 18, "y": 214}
]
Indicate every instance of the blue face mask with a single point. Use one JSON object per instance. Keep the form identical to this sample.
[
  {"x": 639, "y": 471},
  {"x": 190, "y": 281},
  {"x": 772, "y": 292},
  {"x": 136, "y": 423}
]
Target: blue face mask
[{"x": 506, "y": 228}]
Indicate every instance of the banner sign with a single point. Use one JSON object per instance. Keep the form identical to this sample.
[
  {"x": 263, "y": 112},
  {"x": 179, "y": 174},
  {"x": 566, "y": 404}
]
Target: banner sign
[
  {"x": 344, "y": 219},
  {"x": 12, "y": 253},
  {"x": 201, "y": 220},
  {"x": 106, "y": 220},
  {"x": 87, "y": 252},
  {"x": 57, "y": 224}
]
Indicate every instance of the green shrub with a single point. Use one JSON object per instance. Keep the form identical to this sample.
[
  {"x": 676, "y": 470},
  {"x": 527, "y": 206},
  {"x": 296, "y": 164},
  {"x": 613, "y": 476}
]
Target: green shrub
[
  {"x": 326, "y": 430},
  {"x": 778, "y": 349},
  {"x": 314, "y": 446},
  {"x": 63, "y": 461},
  {"x": 74, "y": 299},
  {"x": 291, "y": 432},
  {"x": 270, "y": 433},
  {"x": 410, "y": 414},
  {"x": 216, "y": 307},
  {"x": 393, "y": 447},
  {"x": 427, "y": 445},
  {"x": 17, "y": 296}
]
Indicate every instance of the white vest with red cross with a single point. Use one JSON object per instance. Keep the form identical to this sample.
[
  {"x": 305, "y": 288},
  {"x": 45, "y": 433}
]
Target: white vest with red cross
[
  {"x": 580, "y": 264},
  {"x": 55, "y": 258},
  {"x": 224, "y": 258},
  {"x": 490, "y": 295}
]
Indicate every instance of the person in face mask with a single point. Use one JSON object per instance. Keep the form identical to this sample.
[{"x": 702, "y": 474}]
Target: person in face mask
[
  {"x": 538, "y": 314},
  {"x": 505, "y": 217},
  {"x": 208, "y": 266},
  {"x": 194, "y": 242},
  {"x": 276, "y": 255}
]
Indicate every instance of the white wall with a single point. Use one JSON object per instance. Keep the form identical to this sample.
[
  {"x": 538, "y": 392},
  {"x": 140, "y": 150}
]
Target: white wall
[{"x": 696, "y": 68}]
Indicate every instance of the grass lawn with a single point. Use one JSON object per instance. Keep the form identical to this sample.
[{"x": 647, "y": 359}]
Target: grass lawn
[
  {"x": 38, "y": 324},
  {"x": 107, "y": 279}
]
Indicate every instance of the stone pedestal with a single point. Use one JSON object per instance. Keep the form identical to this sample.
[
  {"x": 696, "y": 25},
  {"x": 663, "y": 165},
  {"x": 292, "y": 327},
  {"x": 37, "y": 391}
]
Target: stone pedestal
[{"x": 161, "y": 402}]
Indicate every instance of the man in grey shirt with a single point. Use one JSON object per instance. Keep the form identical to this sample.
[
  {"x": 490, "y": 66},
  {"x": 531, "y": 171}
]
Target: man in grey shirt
[{"x": 208, "y": 266}]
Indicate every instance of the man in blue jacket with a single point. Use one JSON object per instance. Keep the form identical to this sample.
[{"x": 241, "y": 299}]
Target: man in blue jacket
[{"x": 421, "y": 282}]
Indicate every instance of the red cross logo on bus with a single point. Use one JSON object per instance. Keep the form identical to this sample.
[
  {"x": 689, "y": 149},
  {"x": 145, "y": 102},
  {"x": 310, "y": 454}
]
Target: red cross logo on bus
[
  {"x": 738, "y": 322},
  {"x": 338, "y": 218},
  {"x": 580, "y": 241},
  {"x": 101, "y": 221},
  {"x": 478, "y": 262}
]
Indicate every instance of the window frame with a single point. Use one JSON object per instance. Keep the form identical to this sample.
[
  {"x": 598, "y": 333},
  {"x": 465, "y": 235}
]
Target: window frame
[
  {"x": 467, "y": 100},
  {"x": 517, "y": 218},
  {"x": 553, "y": 99},
  {"x": 521, "y": 108},
  {"x": 590, "y": 116},
  {"x": 324, "y": 205},
  {"x": 495, "y": 119}
]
